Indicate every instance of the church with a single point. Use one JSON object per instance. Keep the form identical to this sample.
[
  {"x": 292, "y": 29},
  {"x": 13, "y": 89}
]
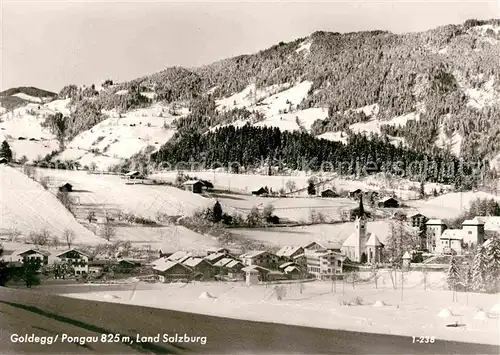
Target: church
[{"x": 361, "y": 246}]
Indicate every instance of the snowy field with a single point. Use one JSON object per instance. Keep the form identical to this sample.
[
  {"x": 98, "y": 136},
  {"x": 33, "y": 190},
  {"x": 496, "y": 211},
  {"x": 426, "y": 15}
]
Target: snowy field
[
  {"x": 293, "y": 209},
  {"x": 384, "y": 310},
  {"x": 111, "y": 192},
  {"x": 170, "y": 238},
  {"x": 449, "y": 205},
  {"x": 332, "y": 233},
  {"x": 27, "y": 207}
]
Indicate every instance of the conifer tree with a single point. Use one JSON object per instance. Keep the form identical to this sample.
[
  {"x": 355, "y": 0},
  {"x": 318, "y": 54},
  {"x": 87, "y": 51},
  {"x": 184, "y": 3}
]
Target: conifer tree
[
  {"x": 479, "y": 269},
  {"x": 493, "y": 265},
  {"x": 217, "y": 212},
  {"x": 453, "y": 276},
  {"x": 5, "y": 151}
]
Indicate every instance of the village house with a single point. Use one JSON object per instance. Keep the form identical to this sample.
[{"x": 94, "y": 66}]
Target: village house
[
  {"x": 450, "y": 242},
  {"x": 126, "y": 266},
  {"x": 168, "y": 271},
  {"x": 131, "y": 175},
  {"x": 234, "y": 270},
  {"x": 328, "y": 193},
  {"x": 217, "y": 250},
  {"x": 67, "y": 187},
  {"x": 219, "y": 266},
  {"x": 194, "y": 186},
  {"x": 77, "y": 259},
  {"x": 388, "y": 202},
  {"x": 263, "y": 274},
  {"x": 326, "y": 245},
  {"x": 261, "y": 191},
  {"x": 361, "y": 246},
  {"x": 11, "y": 256},
  {"x": 35, "y": 254},
  {"x": 215, "y": 257},
  {"x": 324, "y": 265},
  {"x": 179, "y": 256},
  {"x": 261, "y": 258},
  {"x": 355, "y": 193},
  {"x": 287, "y": 253},
  {"x": 291, "y": 270},
  {"x": 418, "y": 220},
  {"x": 3, "y": 160},
  {"x": 202, "y": 268}
]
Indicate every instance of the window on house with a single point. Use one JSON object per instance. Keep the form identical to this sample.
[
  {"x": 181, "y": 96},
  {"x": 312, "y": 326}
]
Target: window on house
[{"x": 470, "y": 232}]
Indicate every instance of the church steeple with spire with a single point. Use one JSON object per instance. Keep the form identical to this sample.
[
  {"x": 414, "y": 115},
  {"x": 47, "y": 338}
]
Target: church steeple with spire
[{"x": 361, "y": 209}]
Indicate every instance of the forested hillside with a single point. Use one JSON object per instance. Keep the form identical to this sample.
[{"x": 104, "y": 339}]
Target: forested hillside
[
  {"x": 446, "y": 80},
  {"x": 253, "y": 147},
  {"x": 449, "y": 75}
]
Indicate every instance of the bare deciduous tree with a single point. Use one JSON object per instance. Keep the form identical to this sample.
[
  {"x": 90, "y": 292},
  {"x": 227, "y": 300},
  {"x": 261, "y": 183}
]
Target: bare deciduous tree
[
  {"x": 108, "y": 231},
  {"x": 45, "y": 182},
  {"x": 29, "y": 171},
  {"x": 69, "y": 237},
  {"x": 66, "y": 200},
  {"x": 291, "y": 185},
  {"x": 40, "y": 238}
]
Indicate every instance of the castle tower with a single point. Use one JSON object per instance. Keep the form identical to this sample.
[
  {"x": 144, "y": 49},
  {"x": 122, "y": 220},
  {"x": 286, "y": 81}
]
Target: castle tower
[{"x": 473, "y": 232}]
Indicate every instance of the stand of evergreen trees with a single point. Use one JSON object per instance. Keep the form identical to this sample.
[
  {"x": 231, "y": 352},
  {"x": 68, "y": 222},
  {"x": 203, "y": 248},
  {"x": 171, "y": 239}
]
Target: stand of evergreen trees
[{"x": 251, "y": 146}]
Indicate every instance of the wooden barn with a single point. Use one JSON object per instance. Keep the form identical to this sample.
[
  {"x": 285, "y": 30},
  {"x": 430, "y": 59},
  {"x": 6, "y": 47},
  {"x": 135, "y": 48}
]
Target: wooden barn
[
  {"x": 328, "y": 193},
  {"x": 67, "y": 187},
  {"x": 388, "y": 202},
  {"x": 194, "y": 186}
]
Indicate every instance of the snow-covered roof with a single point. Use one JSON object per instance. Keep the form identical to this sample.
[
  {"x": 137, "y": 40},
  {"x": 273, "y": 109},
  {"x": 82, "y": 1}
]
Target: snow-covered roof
[
  {"x": 214, "y": 256},
  {"x": 288, "y": 250},
  {"x": 385, "y": 199},
  {"x": 76, "y": 251},
  {"x": 157, "y": 261},
  {"x": 415, "y": 214},
  {"x": 233, "y": 263},
  {"x": 192, "y": 182},
  {"x": 253, "y": 253},
  {"x": 351, "y": 241},
  {"x": 41, "y": 252},
  {"x": 472, "y": 222},
  {"x": 453, "y": 234},
  {"x": 223, "y": 262},
  {"x": 374, "y": 241},
  {"x": 284, "y": 265},
  {"x": 406, "y": 255},
  {"x": 167, "y": 264},
  {"x": 435, "y": 222},
  {"x": 291, "y": 268},
  {"x": 192, "y": 262},
  {"x": 132, "y": 173},
  {"x": 254, "y": 268},
  {"x": 179, "y": 255}
]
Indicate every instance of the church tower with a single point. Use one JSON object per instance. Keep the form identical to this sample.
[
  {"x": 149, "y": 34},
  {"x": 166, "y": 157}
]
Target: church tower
[{"x": 360, "y": 231}]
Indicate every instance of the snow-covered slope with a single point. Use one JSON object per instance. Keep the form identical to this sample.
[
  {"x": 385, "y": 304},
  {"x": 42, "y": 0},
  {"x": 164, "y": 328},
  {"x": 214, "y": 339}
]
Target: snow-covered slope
[
  {"x": 111, "y": 192},
  {"x": 450, "y": 205},
  {"x": 23, "y": 131},
  {"x": 118, "y": 137},
  {"x": 27, "y": 207}
]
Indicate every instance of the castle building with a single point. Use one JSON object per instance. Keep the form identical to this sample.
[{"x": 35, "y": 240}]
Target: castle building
[{"x": 441, "y": 240}]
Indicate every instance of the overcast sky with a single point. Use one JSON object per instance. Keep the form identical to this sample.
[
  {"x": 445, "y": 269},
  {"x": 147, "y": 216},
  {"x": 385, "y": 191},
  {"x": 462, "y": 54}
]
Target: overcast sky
[{"x": 49, "y": 44}]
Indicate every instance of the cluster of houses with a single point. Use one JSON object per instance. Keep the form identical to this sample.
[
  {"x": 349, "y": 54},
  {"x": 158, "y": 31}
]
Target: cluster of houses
[
  {"x": 290, "y": 262},
  {"x": 81, "y": 263}
]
